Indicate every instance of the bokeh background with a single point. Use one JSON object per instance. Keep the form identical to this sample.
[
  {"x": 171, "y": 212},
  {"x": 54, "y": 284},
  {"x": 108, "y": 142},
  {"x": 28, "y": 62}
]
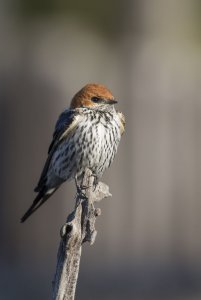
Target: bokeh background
[{"x": 149, "y": 54}]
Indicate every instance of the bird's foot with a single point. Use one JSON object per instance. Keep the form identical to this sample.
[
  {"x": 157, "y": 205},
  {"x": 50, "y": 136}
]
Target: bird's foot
[
  {"x": 96, "y": 181},
  {"x": 80, "y": 192},
  {"x": 80, "y": 188}
]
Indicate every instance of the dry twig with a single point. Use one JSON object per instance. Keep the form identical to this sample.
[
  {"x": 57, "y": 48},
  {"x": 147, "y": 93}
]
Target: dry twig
[{"x": 79, "y": 228}]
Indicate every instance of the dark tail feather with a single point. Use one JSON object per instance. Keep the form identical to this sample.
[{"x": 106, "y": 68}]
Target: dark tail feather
[{"x": 38, "y": 201}]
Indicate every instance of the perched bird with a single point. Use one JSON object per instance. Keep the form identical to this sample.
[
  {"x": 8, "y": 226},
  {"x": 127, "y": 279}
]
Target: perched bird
[{"x": 86, "y": 136}]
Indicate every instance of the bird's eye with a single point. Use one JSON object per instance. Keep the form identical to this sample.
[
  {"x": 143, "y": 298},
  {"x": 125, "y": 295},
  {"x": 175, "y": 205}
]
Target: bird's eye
[{"x": 96, "y": 100}]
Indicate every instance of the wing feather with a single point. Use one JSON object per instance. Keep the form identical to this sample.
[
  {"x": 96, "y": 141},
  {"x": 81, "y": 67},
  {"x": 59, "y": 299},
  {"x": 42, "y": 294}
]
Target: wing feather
[
  {"x": 122, "y": 122},
  {"x": 66, "y": 123}
]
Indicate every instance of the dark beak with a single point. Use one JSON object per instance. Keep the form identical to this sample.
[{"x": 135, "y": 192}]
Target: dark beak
[{"x": 111, "y": 101}]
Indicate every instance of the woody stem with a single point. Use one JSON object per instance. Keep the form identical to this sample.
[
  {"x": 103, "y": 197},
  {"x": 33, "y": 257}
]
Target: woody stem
[{"x": 79, "y": 228}]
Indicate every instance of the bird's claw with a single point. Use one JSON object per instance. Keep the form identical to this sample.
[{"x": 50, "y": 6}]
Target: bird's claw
[
  {"x": 80, "y": 192},
  {"x": 95, "y": 183}
]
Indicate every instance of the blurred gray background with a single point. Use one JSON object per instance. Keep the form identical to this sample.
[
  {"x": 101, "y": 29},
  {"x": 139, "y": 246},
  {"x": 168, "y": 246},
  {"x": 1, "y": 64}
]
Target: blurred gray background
[{"x": 149, "y": 54}]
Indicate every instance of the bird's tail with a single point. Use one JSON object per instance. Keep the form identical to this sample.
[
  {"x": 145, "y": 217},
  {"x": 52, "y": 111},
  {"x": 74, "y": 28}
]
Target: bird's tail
[{"x": 38, "y": 201}]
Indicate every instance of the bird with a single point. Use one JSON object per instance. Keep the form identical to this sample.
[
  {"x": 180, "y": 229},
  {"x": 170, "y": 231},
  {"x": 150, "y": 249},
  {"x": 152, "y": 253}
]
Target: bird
[{"x": 86, "y": 135}]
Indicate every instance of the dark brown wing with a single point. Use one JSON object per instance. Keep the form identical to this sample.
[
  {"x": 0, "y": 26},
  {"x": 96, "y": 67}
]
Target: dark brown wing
[{"x": 65, "y": 123}]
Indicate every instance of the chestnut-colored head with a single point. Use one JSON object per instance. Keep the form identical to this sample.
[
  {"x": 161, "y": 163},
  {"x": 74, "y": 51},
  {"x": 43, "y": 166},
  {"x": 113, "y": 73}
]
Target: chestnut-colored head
[{"x": 93, "y": 95}]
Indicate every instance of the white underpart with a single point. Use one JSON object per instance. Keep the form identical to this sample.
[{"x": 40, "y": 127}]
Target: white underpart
[{"x": 98, "y": 150}]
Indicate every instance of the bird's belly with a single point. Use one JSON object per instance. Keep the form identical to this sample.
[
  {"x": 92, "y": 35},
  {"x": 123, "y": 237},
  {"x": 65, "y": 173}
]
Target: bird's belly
[{"x": 93, "y": 147}]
